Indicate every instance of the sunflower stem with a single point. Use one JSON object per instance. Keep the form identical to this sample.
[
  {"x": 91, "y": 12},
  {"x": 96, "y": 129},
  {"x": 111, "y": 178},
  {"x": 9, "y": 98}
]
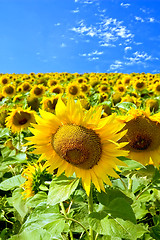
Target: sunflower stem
[
  {"x": 90, "y": 210},
  {"x": 65, "y": 214},
  {"x": 130, "y": 181}
]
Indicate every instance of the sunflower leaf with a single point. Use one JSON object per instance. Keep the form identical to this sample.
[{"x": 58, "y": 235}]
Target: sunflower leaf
[
  {"x": 61, "y": 188},
  {"x": 115, "y": 227},
  {"x": 12, "y": 182}
]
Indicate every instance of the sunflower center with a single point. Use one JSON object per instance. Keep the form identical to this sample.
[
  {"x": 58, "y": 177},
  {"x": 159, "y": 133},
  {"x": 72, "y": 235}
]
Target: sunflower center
[
  {"x": 9, "y": 90},
  {"x": 139, "y": 84},
  {"x": 141, "y": 142},
  {"x": 37, "y": 91},
  {"x": 73, "y": 90},
  {"x": 77, "y": 145},
  {"x": 21, "y": 118},
  {"x": 143, "y": 134}
]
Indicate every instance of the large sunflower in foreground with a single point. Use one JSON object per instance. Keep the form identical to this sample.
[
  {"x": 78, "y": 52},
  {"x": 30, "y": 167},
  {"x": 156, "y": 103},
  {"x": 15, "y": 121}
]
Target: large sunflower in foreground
[
  {"x": 74, "y": 141},
  {"x": 143, "y": 135},
  {"x": 20, "y": 119}
]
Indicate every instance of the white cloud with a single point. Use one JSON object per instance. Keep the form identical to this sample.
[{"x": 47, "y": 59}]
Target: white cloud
[
  {"x": 116, "y": 65},
  {"x": 57, "y": 24},
  {"x": 139, "y": 57},
  {"x": 139, "y": 19},
  {"x": 151, "y": 19},
  {"x": 93, "y": 58},
  {"x": 108, "y": 31},
  {"x": 95, "y": 53},
  {"x": 63, "y": 45},
  {"x": 75, "y": 11},
  {"x": 126, "y": 5},
  {"x": 127, "y": 48}
]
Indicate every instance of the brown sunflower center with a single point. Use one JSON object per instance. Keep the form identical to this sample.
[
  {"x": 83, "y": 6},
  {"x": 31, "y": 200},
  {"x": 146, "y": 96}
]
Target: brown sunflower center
[
  {"x": 140, "y": 85},
  {"x": 5, "y": 81},
  {"x": 158, "y": 88},
  {"x": 9, "y": 90},
  {"x": 73, "y": 90},
  {"x": 143, "y": 134},
  {"x": 38, "y": 91},
  {"x": 141, "y": 142},
  {"x": 21, "y": 118},
  {"x": 77, "y": 145}
]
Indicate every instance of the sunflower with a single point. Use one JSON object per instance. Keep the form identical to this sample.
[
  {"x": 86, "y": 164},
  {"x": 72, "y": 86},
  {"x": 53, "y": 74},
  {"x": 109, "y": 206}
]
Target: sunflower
[
  {"x": 73, "y": 89},
  {"x": 56, "y": 89},
  {"x": 4, "y": 80},
  {"x": 26, "y": 87},
  {"x": 152, "y": 104},
  {"x": 156, "y": 88},
  {"x": 35, "y": 176},
  {"x": 139, "y": 85},
  {"x": 8, "y": 90},
  {"x": 75, "y": 141},
  {"x": 49, "y": 103},
  {"x": 20, "y": 119},
  {"x": 37, "y": 91},
  {"x": 143, "y": 136}
]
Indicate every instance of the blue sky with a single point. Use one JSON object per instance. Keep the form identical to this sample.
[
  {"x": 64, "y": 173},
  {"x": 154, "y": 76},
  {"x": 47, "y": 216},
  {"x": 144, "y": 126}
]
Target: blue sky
[{"x": 79, "y": 36}]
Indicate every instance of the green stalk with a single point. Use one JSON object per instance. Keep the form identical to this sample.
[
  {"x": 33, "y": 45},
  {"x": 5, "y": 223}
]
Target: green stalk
[
  {"x": 90, "y": 210},
  {"x": 64, "y": 212}
]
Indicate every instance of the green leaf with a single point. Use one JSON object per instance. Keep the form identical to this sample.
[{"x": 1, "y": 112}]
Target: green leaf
[
  {"x": 37, "y": 199},
  {"x": 155, "y": 232},
  {"x": 37, "y": 234},
  {"x": 19, "y": 203},
  {"x": 106, "y": 197},
  {"x": 4, "y": 132},
  {"x": 61, "y": 188},
  {"x": 115, "y": 227},
  {"x": 12, "y": 182},
  {"x": 46, "y": 217},
  {"x": 126, "y": 105}
]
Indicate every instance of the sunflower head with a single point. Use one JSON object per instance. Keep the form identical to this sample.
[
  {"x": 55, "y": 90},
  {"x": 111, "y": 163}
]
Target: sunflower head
[
  {"x": 73, "y": 89},
  {"x": 79, "y": 141},
  {"x": 143, "y": 134},
  {"x": 8, "y": 90},
  {"x": 20, "y": 119},
  {"x": 4, "y": 80},
  {"x": 37, "y": 91},
  {"x": 152, "y": 104},
  {"x": 35, "y": 175}
]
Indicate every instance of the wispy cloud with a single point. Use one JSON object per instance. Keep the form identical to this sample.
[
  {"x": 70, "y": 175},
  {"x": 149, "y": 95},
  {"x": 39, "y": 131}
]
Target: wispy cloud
[
  {"x": 139, "y": 57},
  {"x": 126, "y": 5},
  {"x": 116, "y": 65},
  {"x": 75, "y": 11},
  {"x": 63, "y": 45},
  {"x": 127, "y": 48},
  {"x": 92, "y": 55},
  {"x": 109, "y": 30},
  {"x": 139, "y": 19}
]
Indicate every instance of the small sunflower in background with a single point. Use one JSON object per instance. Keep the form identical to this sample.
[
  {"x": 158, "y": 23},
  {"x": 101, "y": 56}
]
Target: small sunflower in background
[
  {"x": 78, "y": 141},
  {"x": 152, "y": 104},
  {"x": 143, "y": 134},
  {"x": 126, "y": 80},
  {"x": 26, "y": 86},
  {"x": 57, "y": 89},
  {"x": 52, "y": 82},
  {"x": 4, "y": 80},
  {"x": 19, "y": 119},
  {"x": 73, "y": 89},
  {"x": 156, "y": 88},
  {"x": 139, "y": 85},
  {"x": 36, "y": 175},
  {"x": 120, "y": 89},
  {"x": 37, "y": 91},
  {"x": 49, "y": 103},
  {"x": 8, "y": 90}
]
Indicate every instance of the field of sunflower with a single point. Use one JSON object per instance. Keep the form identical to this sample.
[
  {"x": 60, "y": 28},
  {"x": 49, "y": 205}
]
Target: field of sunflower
[{"x": 80, "y": 156}]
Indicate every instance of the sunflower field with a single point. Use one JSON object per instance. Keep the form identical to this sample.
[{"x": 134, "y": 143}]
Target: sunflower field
[{"x": 80, "y": 156}]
